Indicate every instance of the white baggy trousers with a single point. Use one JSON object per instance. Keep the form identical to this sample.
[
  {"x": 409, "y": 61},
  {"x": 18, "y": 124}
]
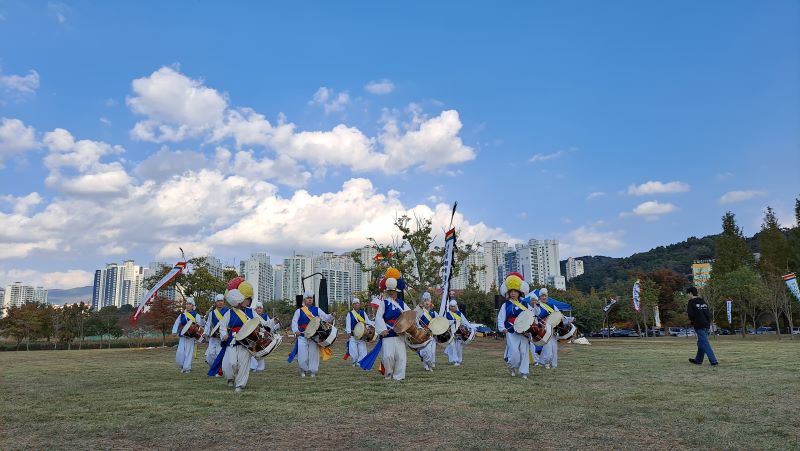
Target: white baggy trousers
[
  {"x": 519, "y": 349},
  {"x": 394, "y": 357},
  {"x": 428, "y": 354},
  {"x": 236, "y": 365},
  {"x": 357, "y": 348},
  {"x": 185, "y": 353},
  {"x": 214, "y": 346},
  {"x": 307, "y": 355}
]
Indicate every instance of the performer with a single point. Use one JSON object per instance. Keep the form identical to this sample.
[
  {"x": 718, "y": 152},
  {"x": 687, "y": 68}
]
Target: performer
[
  {"x": 393, "y": 347},
  {"x": 356, "y": 348},
  {"x": 185, "y": 352},
  {"x": 212, "y": 331},
  {"x": 426, "y": 314},
  {"x": 236, "y": 361},
  {"x": 549, "y": 353},
  {"x": 307, "y": 349},
  {"x": 517, "y": 345},
  {"x": 258, "y": 365},
  {"x": 455, "y": 350}
]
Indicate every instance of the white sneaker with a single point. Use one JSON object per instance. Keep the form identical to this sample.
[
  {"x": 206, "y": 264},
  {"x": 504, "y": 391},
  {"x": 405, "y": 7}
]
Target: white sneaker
[
  {"x": 457, "y": 364},
  {"x": 238, "y": 389},
  {"x": 524, "y": 376},
  {"x": 302, "y": 374},
  {"x": 230, "y": 382},
  {"x": 313, "y": 375},
  {"x": 547, "y": 365},
  {"x": 513, "y": 373},
  {"x": 426, "y": 367}
]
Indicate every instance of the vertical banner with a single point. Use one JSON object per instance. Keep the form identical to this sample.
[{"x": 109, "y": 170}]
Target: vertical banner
[
  {"x": 657, "y": 316},
  {"x": 728, "y": 305},
  {"x": 791, "y": 282},
  {"x": 148, "y": 298},
  {"x": 447, "y": 267},
  {"x": 636, "y": 299}
]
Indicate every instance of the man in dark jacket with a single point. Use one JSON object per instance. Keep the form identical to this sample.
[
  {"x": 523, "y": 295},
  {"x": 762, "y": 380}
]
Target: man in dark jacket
[{"x": 700, "y": 317}]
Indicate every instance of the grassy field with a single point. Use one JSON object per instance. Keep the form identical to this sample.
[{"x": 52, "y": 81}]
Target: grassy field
[{"x": 623, "y": 394}]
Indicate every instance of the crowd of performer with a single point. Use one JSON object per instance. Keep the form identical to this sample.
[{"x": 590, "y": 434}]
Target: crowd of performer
[{"x": 240, "y": 334}]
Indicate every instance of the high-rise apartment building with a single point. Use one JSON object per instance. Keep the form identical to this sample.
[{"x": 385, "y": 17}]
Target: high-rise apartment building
[
  {"x": 258, "y": 271},
  {"x": 118, "y": 285},
  {"x": 277, "y": 282},
  {"x": 295, "y": 268},
  {"x": 494, "y": 259},
  {"x": 17, "y": 295},
  {"x": 476, "y": 263},
  {"x": 574, "y": 268}
]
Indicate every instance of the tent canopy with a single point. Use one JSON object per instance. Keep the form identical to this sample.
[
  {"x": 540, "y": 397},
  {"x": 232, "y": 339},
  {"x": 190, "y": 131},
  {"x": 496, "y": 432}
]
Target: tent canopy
[{"x": 555, "y": 302}]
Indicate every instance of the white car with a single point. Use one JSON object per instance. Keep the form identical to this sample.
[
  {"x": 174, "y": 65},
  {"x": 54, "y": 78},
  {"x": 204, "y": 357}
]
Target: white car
[{"x": 795, "y": 330}]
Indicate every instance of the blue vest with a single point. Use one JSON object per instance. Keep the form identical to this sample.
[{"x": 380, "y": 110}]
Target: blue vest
[
  {"x": 543, "y": 313},
  {"x": 303, "y": 320},
  {"x": 354, "y": 320},
  {"x": 234, "y": 323},
  {"x": 512, "y": 311},
  {"x": 390, "y": 314},
  {"x": 449, "y": 315},
  {"x": 214, "y": 319},
  {"x": 185, "y": 320},
  {"x": 425, "y": 319},
  {"x": 265, "y": 316}
]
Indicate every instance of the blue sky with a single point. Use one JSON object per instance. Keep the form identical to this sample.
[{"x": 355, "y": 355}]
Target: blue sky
[{"x": 130, "y": 128}]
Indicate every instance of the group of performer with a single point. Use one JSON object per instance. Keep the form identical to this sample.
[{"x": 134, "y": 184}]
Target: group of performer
[{"x": 240, "y": 336}]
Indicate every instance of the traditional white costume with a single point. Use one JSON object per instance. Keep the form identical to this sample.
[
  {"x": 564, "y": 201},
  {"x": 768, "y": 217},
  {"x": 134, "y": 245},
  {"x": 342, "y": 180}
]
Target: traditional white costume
[{"x": 185, "y": 351}]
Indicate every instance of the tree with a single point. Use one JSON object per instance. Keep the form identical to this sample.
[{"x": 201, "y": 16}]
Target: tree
[
  {"x": 741, "y": 286},
  {"x": 106, "y": 322},
  {"x": 774, "y": 296},
  {"x": 774, "y": 261},
  {"x": 731, "y": 250},
  {"x": 161, "y": 317}
]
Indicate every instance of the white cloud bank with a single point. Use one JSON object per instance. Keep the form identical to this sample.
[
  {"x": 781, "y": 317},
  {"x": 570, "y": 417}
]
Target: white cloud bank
[{"x": 652, "y": 187}]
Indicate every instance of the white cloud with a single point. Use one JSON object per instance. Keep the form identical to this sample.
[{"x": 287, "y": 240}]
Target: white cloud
[
  {"x": 58, "y": 11},
  {"x": 75, "y": 166},
  {"x": 384, "y": 86},
  {"x": 20, "y": 84},
  {"x": 651, "y": 210},
  {"x": 740, "y": 196},
  {"x": 166, "y": 163},
  {"x": 176, "y": 106},
  {"x": 330, "y": 100},
  {"x": 15, "y": 138},
  {"x": 59, "y": 279},
  {"x": 544, "y": 157},
  {"x": 587, "y": 240},
  {"x": 22, "y": 205},
  {"x": 105, "y": 121},
  {"x": 167, "y": 99},
  {"x": 653, "y": 187},
  {"x": 595, "y": 195}
]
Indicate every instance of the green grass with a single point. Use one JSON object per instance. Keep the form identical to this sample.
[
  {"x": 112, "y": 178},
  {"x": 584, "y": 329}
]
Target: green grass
[{"x": 621, "y": 394}]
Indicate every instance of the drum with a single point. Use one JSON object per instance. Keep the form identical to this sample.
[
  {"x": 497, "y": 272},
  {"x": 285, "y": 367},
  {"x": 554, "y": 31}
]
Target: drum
[
  {"x": 326, "y": 335},
  {"x": 369, "y": 334},
  {"x": 257, "y": 338},
  {"x": 535, "y": 328},
  {"x": 215, "y": 331},
  {"x": 416, "y": 337},
  {"x": 442, "y": 331},
  {"x": 358, "y": 331},
  {"x": 565, "y": 332},
  {"x": 192, "y": 330},
  {"x": 464, "y": 333},
  {"x": 554, "y": 319}
]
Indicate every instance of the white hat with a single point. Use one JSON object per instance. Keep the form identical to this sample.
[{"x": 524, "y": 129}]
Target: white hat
[
  {"x": 190, "y": 300},
  {"x": 453, "y": 303},
  {"x": 356, "y": 301},
  {"x": 533, "y": 297},
  {"x": 234, "y": 297},
  {"x": 308, "y": 294},
  {"x": 220, "y": 297},
  {"x": 542, "y": 291},
  {"x": 426, "y": 296},
  {"x": 391, "y": 284},
  {"x": 258, "y": 304}
]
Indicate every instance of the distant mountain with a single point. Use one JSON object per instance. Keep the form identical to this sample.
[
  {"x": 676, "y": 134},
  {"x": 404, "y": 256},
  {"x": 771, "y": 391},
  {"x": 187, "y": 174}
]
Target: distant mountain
[
  {"x": 600, "y": 271},
  {"x": 70, "y": 296}
]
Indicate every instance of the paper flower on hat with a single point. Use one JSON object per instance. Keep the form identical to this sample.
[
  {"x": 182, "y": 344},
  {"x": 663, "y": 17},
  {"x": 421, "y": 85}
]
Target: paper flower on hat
[
  {"x": 234, "y": 283},
  {"x": 246, "y": 288},
  {"x": 390, "y": 284},
  {"x": 393, "y": 273},
  {"x": 514, "y": 281},
  {"x": 234, "y": 297}
]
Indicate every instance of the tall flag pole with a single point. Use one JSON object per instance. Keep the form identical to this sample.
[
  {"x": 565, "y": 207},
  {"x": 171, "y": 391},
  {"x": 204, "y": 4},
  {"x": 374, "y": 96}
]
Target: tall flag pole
[
  {"x": 636, "y": 293},
  {"x": 791, "y": 282},
  {"x": 148, "y": 298},
  {"x": 448, "y": 259}
]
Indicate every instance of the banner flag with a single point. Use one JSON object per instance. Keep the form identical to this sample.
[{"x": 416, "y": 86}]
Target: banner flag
[
  {"x": 791, "y": 282},
  {"x": 657, "y": 316},
  {"x": 447, "y": 267},
  {"x": 728, "y": 305},
  {"x": 636, "y": 299},
  {"x": 148, "y": 298},
  {"x": 609, "y": 304}
]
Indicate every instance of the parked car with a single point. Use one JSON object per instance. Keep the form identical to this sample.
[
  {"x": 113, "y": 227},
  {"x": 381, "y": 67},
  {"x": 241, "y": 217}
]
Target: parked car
[
  {"x": 674, "y": 331},
  {"x": 655, "y": 333},
  {"x": 765, "y": 330},
  {"x": 739, "y": 331},
  {"x": 795, "y": 330},
  {"x": 624, "y": 333}
]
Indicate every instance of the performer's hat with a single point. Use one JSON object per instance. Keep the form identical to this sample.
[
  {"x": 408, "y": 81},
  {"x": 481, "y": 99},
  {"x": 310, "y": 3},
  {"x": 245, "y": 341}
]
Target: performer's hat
[
  {"x": 258, "y": 304},
  {"x": 391, "y": 284},
  {"x": 542, "y": 291},
  {"x": 533, "y": 297},
  {"x": 426, "y": 296},
  {"x": 219, "y": 297},
  {"x": 190, "y": 300},
  {"x": 514, "y": 281},
  {"x": 234, "y": 297},
  {"x": 453, "y": 303},
  {"x": 308, "y": 294},
  {"x": 356, "y": 301}
]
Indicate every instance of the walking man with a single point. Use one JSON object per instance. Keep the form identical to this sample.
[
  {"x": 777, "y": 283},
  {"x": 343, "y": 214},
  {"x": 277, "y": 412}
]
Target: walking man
[{"x": 700, "y": 317}]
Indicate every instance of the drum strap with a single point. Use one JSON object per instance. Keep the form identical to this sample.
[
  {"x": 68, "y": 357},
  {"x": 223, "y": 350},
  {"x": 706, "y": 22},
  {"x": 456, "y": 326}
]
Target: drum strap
[
  {"x": 456, "y": 316},
  {"x": 518, "y": 304},
  {"x": 307, "y": 312},
  {"x": 547, "y": 307},
  {"x": 190, "y": 317},
  {"x": 427, "y": 315},
  {"x": 359, "y": 318},
  {"x": 218, "y": 314},
  {"x": 241, "y": 315}
]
